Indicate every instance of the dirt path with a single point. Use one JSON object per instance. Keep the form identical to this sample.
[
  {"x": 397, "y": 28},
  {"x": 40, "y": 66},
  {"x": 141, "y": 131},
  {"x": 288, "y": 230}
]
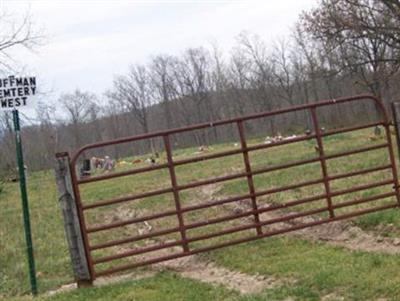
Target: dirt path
[
  {"x": 196, "y": 268},
  {"x": 351, "y": 237},
  {"x": 340, "y": 233},
  {"x": 105, "y": 281}
]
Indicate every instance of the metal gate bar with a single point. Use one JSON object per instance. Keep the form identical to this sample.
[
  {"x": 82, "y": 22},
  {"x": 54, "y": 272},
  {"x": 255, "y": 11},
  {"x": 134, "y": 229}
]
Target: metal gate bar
[
  {"x": 322, "y": 158},
  {"x": 252, "y": 195},
  {"x": 242, "y": 240},
  {"x": 230, "y": 177},
  {"x": 221, "y": 154},
  {"x": 249, "y": 174},
  {"x": 175, "y": 190}
]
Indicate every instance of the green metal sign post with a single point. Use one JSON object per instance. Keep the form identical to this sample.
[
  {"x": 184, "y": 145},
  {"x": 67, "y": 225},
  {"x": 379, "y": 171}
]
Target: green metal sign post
[{"x": 25, "y": 206}]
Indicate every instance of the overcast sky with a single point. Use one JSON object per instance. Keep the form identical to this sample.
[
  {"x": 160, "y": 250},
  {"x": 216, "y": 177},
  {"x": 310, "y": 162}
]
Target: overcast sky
[{"x": 88, "y": 42}]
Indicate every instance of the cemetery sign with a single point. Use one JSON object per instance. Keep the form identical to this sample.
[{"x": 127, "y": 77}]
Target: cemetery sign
[{"x": 14, "y": 91}]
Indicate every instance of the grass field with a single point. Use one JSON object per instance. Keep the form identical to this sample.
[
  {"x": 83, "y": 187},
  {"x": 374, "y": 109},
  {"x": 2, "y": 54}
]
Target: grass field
[{"x": 306, "y": 269}]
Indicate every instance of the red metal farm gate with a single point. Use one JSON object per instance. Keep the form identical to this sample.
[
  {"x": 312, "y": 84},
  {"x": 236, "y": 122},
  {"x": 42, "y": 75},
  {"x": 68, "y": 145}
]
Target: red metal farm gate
[{"x": 108, "y": 251}]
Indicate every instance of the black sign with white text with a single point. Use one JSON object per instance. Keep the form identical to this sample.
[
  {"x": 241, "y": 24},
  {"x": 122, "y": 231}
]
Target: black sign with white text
[{"x": 14, "y": 91}]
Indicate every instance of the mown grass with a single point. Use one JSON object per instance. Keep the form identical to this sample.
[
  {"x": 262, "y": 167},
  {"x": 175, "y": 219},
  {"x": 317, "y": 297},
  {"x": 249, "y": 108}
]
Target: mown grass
[
  {"x": 317, "y": 269},
  {"x": 162, "y": 287},
  {"x": 371, "y": 221},
  {"x": 50, "y": 248}
]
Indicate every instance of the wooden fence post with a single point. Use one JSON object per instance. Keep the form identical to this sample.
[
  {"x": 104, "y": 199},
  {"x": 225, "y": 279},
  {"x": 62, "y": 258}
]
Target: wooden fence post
[{"x": 71, "y": 221}]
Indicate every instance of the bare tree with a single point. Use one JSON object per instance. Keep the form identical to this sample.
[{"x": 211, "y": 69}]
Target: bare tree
[
  {"x": 379, "y": 18},
  {"x": 161, "y": 72},
  {"x": 359, "y": 31},
  {"x": 239, "y": 81},
  {"x": 14, "y": 35},
  {"x": 193, "y": 77},
  {"x": 113, "y": 123},
  {"x": 80, "y": 107},
  {"x": 282, "y": 71},
  {"x": 133, "y": 92},
  {"x": 48, "y": 131},
  {"x": 260, "y": 76}
]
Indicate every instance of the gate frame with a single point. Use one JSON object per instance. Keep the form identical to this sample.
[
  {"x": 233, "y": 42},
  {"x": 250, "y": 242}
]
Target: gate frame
[{"x": 83, "y": 240}]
